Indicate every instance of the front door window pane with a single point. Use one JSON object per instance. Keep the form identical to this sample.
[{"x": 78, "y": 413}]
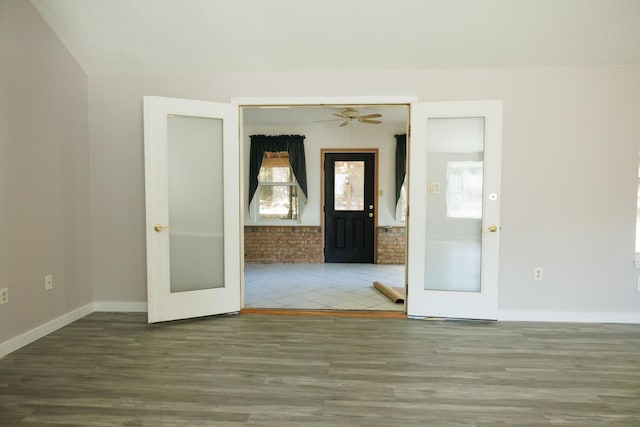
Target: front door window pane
[{"x": 349, "y": 186}]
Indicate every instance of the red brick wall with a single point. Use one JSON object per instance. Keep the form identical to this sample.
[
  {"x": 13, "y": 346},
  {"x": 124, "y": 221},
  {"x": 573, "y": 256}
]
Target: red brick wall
[
  {"x": 392, "y": 245},
  {"x": 267, "y": 244}
]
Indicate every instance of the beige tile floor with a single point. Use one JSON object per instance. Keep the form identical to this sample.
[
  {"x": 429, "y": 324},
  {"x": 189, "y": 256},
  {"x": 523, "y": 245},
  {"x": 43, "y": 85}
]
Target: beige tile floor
[{"x": 320, "y": 286}]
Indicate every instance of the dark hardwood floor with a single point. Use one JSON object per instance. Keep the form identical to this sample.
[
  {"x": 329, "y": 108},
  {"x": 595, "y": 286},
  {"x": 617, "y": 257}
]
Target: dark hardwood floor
[{"x": 267, "y": 370}]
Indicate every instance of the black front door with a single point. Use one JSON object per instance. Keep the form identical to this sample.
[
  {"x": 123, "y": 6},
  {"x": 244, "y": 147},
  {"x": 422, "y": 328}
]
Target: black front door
[{"x": 349, "y": 213}]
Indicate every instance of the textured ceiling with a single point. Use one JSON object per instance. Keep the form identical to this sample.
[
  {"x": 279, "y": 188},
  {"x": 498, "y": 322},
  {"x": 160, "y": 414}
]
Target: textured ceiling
[{"x": 167, "y": 36}]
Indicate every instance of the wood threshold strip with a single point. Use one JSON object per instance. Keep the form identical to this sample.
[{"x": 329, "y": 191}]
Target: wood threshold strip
[{"x": 327, "y": 313}]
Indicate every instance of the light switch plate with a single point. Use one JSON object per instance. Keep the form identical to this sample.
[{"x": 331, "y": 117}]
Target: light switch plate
[{"x": 433, "y": 187}]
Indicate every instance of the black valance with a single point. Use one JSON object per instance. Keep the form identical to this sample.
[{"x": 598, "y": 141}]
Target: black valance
[
  {"x": 401, "y": 162},
  {"x": 292, "y": 144}
]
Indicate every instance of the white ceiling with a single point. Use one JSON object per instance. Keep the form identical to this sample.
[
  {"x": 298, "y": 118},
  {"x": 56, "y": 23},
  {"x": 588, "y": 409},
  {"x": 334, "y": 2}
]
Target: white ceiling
[
  {"x": 167, "y": 36},
  {"x": 202, "y": 36}
]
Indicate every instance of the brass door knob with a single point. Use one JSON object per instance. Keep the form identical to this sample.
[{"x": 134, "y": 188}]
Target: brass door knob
[
  {"x": 492, "y": 228},
  {"x": 159, "y": 228},
  {"x": 370, "y": 214}
]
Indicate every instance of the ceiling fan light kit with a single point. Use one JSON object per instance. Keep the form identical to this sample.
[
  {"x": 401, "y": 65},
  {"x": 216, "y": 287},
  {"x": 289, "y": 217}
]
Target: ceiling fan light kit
[{"x": 349, "y": 115}]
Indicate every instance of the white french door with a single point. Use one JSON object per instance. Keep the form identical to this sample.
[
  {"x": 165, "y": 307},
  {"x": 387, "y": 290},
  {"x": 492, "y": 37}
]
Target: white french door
[
  {"x": 454, "y": 209},
  {"x": 192, "y": 172}
]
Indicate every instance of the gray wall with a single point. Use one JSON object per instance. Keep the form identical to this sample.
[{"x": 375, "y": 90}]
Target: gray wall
[
  {"x": 44, "y": 173},
  {"x": 570, "y": 158}
]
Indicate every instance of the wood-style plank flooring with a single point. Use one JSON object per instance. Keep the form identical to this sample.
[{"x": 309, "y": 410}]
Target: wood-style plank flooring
[{"x": 265, "y": 370}]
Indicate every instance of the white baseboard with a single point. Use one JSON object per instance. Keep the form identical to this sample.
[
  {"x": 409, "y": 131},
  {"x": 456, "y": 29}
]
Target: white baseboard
[
  {"x": 120, "y": 307},
  {"x": 567, "y": 316},
  {"x": 43, "y": 330}
]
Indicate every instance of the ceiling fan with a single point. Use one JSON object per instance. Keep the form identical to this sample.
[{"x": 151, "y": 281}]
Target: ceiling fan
[{"x": 350, "y": 114}]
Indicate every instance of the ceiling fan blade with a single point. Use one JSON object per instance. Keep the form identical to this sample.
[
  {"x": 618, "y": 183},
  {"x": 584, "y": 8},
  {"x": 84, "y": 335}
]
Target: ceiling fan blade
[
  {"x": 373, "y": 122},
  {"x": 371, "y": 116},
  {"x": 329, "y": 120},
  {"x": 346, "y": 122},
  {"x": 340, "y": 115}
]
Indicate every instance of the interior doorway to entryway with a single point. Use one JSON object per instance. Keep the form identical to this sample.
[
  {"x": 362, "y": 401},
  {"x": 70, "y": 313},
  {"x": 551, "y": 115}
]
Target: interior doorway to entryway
[{"x": 294, "y": 259}]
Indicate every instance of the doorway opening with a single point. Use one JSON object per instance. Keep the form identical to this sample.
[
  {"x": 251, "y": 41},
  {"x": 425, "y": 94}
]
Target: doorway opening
[{"x": 302, "y": 261}]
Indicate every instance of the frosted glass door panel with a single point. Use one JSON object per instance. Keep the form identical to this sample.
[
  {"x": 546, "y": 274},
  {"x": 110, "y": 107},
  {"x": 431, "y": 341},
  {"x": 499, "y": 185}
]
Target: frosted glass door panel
[
  {"x": 454, "y": 163},
  {"x": 349, "y": 186},
  {"x": 196, "y": 203}
]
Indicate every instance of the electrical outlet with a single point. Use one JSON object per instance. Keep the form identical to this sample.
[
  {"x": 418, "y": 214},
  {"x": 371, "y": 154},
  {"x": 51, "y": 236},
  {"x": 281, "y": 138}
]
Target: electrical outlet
[
  {"x": 48, "y": 282},
  {"x": 4, "y": 296},
  {"x": 537, "y": 273}
]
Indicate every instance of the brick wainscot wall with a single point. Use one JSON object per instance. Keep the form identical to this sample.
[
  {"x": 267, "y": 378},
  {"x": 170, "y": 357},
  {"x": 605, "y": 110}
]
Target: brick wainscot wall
[
  {"x": 300, "y": 244},
  {"x": 269, "y": 244},
  {"x": 392, "y": 245}
]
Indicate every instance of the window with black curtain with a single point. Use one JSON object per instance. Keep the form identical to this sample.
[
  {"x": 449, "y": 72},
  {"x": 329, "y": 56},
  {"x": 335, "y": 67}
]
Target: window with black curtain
[
  {"x": 292, "y": 145},
  {"x": 401, "y": 172}
]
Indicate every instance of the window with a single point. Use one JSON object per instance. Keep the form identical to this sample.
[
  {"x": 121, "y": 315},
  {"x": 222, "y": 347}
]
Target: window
[
  {"x": 277, "y": 178},
  {"x": 401, "y": 177},
  {"x": 277, "y": 188},
  {"x": 464, "y": 189},
  {"x": 401, "y": 206}
]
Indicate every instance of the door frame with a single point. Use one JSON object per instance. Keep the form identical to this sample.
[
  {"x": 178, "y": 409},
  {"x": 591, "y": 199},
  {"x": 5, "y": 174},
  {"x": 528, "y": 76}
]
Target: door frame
[
  {"x": 404, "y": 100},
  {"x": 374, "y": 151}
]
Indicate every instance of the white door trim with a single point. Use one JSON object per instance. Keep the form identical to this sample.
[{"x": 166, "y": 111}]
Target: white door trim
[
  {"x": 319, "y": 101},
  {"x": 325, "y": 101}
]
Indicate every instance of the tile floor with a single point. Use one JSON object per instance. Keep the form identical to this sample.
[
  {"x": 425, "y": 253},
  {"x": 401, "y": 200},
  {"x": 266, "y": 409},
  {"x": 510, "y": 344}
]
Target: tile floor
[{"x": 320, "y": 286}]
